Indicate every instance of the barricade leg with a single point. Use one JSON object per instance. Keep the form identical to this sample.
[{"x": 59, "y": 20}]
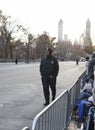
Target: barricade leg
[{"x": 25, "y": 128}]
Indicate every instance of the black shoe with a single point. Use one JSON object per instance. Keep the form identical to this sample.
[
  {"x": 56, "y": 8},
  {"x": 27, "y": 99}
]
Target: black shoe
[
  {"x": 53, "y": 98},
  {"x": 46, "y": 103}
]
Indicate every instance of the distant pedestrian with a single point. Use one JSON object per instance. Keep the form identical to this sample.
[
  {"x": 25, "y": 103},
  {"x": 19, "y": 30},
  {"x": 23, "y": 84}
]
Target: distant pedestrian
[
  {"x": 77, "y": 60},
  {"x": 87, "y": 64},
  {"x": 16, "y": 60},
  {"x": 49, "y": 68}
]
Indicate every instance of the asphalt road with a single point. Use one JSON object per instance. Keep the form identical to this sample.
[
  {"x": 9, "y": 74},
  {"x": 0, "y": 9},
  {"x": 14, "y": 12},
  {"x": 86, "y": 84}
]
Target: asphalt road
[{"x": 21, "y": 94}]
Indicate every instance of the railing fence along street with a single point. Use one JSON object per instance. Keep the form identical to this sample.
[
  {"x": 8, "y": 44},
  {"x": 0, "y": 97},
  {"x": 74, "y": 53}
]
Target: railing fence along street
[
  {"x": 57, "y": 115},
  {"x": 91, "y": 114}
]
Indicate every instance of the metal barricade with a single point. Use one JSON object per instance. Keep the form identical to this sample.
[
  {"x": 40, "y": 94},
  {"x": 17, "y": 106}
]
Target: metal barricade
[
  {"x": 57, "y": 115},
  {"x": 73, "y": 93},
  {"x": 89, "y": 121},
  {"x": 53, "y": 117}
]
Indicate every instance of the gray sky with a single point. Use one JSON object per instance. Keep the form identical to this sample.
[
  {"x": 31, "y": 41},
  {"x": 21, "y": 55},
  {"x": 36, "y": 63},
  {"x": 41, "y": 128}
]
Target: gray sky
[{"x": 43, "y": 15}]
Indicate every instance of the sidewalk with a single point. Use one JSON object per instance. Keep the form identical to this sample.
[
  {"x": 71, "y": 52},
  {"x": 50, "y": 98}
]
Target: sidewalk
[{"x": 73, "y": 126}]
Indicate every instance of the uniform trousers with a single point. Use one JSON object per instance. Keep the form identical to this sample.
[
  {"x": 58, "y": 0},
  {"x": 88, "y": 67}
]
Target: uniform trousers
[{"x": 49, "y": 81}]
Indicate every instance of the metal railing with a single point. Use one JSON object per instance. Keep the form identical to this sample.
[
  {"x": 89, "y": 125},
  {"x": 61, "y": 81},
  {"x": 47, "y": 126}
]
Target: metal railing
[
  {"x": 57, "y": 115},
  {"x": 91, "y": 114}
]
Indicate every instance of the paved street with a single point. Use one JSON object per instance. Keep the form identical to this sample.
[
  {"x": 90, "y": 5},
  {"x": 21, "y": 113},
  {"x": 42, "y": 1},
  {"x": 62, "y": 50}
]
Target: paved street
[{"x": 21, "y": 94}]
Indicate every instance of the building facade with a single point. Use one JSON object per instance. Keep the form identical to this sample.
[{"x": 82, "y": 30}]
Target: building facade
[
  {"x": 60, "y": 30},
  {"x": 87, "y": 39}
]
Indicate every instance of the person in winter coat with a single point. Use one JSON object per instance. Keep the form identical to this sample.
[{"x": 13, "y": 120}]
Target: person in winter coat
[
  {"x": 49, "y": 68},
  {"x": 91, "y": 67}
]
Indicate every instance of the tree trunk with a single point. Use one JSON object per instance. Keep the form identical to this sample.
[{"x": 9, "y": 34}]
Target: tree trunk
[
  {"x": 6, "y": 51},
  {"x": 11, "y": 52}
]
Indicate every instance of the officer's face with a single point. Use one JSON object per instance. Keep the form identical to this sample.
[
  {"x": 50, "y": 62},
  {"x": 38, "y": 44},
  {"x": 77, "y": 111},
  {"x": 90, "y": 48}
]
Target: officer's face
[{"x": 48, "y": 53}]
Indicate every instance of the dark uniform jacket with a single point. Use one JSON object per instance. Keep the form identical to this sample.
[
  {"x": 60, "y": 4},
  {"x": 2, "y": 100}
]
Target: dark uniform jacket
[
  {"x": 49, "y": 66},
  {"x": 91, "y": 68}
]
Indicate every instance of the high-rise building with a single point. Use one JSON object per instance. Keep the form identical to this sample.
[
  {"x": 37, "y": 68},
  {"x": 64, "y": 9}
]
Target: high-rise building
[
  {"x": 87, "y": 33},
  {"x": 81, "y": 39},
  {"x": 60, "y": 30},
  {"x": 87, "y": 39},
  {"x": 88, "y": 27},
  {"x": 66, "y": 37}
]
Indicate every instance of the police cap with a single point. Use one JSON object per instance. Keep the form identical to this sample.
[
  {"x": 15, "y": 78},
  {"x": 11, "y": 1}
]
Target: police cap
[{"x": 49, "y": 50}]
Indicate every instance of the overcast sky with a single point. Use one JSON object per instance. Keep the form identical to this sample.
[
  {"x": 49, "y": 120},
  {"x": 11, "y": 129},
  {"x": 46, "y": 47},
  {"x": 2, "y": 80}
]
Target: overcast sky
[{"x": 43, "y": 15}]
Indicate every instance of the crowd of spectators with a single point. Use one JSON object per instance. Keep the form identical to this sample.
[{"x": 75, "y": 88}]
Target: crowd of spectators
[{"x": 86, "y": 98}]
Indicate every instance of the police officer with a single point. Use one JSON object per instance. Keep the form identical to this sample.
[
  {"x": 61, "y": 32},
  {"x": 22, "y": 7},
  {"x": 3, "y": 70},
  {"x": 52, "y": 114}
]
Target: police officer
[
  {"x": 49, "y": 68},
  {"x": 91, "y": 67}
]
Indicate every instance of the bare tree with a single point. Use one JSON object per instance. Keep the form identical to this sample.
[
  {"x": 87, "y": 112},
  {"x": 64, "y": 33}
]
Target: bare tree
[
  {"x": 43, "y": 41},
  {"x": 29, "y": 39},
  {"x": 9, "y": 30}
]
